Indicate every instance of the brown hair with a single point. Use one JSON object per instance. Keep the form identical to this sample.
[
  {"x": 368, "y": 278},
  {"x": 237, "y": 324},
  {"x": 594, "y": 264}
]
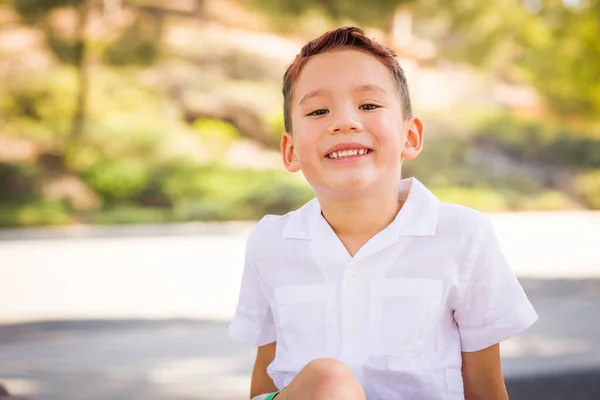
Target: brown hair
[{"x": 349, "y": 36}]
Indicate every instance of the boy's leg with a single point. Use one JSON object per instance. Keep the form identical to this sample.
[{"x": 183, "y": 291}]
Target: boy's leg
[{"x": 323, "y": 379}]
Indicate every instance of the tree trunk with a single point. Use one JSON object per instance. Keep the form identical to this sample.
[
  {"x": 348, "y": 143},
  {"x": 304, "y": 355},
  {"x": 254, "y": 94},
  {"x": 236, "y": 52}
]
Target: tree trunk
[
  {"x": 200, "y": 9},
  {"x": 79, "y": 116}
]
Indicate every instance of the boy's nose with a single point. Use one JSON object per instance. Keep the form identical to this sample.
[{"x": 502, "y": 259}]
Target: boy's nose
[{"x": 345, "y": 122}]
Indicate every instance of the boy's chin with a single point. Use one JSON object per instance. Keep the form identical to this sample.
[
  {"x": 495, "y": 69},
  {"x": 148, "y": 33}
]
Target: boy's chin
[
  {"x": 348, "y": 187},
  {"x": 354, "y": 185}
]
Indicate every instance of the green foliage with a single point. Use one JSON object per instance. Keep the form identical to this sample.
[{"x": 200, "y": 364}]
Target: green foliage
[
  {"x": 39, "y": 106},
  {"x": 126, "y": 215},
  {"x": 33, "y": 10},
  {"x": 533, "y": 141},
  {"x": 184, "y": 192},
  {"x": 454, "y": 162},
  {"x": 499, "y": 166},
  {"x": 564, "y": 64},
  {"x": 442, "y": 163},
  {"x": 118, "y": 179},
  {"x": 276, "y": 194},
  {"x": 129, "y": 124},
  {"x": 549, "y": 200},
  {"x": 489, "y": 199},
  {"x": 221, "y": 193},
  {"x": 477, "y": 198},
  {"x": 476, "y": 31},
  {"x": 38, "y": 212},
  {"x": 123, "y": 136},
  {"x": 120, "y": 93},
  {"x": 126, "y": 120},
  {"x": 218, "y": 135},
  {"x": 555, "y": 47},
  {"x": 587, "y": 185},
  {"x": 276, "y": 127}
]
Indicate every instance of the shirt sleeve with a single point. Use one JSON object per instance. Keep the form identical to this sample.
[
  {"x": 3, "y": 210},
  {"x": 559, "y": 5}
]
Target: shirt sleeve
[
  {"x": 252, "y": 322},
  {"x": 493, "y": 305}
]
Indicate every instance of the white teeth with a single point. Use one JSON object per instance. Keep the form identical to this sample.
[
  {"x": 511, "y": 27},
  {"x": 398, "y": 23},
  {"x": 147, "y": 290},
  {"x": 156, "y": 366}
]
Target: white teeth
[{"x": 348, "y": 153}]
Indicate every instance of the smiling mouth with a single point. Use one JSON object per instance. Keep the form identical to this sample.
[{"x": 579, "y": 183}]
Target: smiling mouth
[{"x": 348, "y": 153}]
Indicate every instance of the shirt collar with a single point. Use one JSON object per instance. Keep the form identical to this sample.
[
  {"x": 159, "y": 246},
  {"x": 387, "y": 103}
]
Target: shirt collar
[{"x": 417, "y": 217}]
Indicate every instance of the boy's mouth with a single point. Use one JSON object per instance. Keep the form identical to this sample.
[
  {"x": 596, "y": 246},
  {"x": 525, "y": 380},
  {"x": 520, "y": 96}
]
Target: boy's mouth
[
  {"x": 339, "y": 154},
  {"x": 348, "y": 151}
]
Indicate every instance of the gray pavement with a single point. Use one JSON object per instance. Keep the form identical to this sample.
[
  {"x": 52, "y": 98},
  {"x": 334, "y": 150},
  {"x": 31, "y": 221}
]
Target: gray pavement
[
  {"x": 558, "y": 358},
  {"x": 141, "y": 312}
]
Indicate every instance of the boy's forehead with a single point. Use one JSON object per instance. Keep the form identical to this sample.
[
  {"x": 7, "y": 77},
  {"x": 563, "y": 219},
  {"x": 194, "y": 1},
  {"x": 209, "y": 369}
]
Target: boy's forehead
[{"x": 342, "y": 69}]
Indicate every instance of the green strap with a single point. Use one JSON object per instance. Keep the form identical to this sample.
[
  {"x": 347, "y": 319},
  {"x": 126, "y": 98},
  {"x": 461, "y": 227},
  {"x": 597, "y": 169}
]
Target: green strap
[{"x": 270, "y": 396}]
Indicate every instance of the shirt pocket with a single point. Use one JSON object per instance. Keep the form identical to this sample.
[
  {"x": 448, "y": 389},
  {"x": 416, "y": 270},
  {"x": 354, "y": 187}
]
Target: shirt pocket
[
  {"x": 402, "y": 312},
  {"x": 305, "y": 318}
]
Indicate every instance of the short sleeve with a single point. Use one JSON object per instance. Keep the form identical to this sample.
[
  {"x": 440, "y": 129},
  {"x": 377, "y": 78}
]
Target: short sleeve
[
  {"x": 253, "y": 320},
  {"x": 493, "y": 305}
]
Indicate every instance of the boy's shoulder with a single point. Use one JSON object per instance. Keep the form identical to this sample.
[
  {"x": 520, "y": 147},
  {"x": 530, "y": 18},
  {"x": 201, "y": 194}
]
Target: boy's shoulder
[
  {"x": 271, "y": 229},
  {"x": 460, "y": 220},
  {"x": 448, "y": 219}
]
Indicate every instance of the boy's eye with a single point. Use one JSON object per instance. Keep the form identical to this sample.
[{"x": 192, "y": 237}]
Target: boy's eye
[
  {"x": 321, "y": 111},
  {"x": 369, "y": 107}
]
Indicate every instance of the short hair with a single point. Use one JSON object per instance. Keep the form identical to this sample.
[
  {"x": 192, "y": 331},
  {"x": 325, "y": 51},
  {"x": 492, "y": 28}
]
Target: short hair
[{"x": 349, "y": 37}]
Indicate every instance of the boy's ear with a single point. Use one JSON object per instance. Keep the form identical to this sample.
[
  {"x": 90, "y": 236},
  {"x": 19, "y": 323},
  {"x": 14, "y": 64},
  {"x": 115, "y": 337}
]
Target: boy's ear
[
  {"x": 414, "y": 138},
  {"x": 288, "y": 153}
]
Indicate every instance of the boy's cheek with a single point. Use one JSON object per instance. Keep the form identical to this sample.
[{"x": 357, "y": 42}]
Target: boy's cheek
[{"x": 307, "y": 142}]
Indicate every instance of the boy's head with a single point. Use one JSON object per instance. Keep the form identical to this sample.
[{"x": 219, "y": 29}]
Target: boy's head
[
  {"x": 347, "y": 37},
  {"x": 348, "y": 118}
]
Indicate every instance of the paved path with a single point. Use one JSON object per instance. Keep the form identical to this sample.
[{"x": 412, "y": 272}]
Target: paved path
[
  {"x": 558, "y": 358},
  {"x": 194, "y": 270}
]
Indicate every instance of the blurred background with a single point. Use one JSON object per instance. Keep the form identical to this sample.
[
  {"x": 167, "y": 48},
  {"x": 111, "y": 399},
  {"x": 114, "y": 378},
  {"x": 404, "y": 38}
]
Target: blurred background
[{"x": 139, "y": 145}]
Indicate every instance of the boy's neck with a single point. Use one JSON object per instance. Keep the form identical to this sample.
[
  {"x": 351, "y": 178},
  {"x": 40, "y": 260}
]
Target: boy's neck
[{"x": 356, "y": 220}]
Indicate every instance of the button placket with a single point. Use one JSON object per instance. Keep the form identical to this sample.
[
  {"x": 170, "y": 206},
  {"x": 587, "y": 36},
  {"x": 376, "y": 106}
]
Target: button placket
[{"x": 352, "y": 293}]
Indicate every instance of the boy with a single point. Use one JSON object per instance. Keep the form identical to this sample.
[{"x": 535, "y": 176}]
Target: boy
[{"x": 374, "y": 289}]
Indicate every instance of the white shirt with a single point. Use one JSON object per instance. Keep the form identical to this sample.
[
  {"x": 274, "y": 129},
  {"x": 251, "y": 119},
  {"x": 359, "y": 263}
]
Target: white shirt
[{"x": 430, "y": 285}]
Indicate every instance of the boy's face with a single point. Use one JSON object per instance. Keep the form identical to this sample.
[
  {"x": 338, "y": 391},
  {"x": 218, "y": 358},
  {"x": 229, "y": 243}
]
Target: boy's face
[{"x": 349, "y": 133}]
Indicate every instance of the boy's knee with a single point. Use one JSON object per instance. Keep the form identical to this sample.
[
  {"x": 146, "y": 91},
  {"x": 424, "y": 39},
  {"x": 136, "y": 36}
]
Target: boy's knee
[
  {"x": 329, "y": 368},
  {"x": 332, "y": 378}
]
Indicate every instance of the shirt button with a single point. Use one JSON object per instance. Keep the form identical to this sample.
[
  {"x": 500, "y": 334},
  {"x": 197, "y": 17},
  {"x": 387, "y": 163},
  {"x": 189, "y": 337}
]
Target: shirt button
[
  {"x": 354, "y": 330},
  {"x": 354, "y": 275}
]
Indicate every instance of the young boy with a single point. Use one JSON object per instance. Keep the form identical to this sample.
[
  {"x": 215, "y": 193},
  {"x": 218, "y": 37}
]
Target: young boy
[{"x": 374, "y": 289}]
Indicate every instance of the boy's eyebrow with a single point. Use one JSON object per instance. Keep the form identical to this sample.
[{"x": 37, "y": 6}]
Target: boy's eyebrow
[
  {"x": 310, "y": 95},
  {"x": 361, "y": 88},
  {"x": 370, "y": 87}
]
